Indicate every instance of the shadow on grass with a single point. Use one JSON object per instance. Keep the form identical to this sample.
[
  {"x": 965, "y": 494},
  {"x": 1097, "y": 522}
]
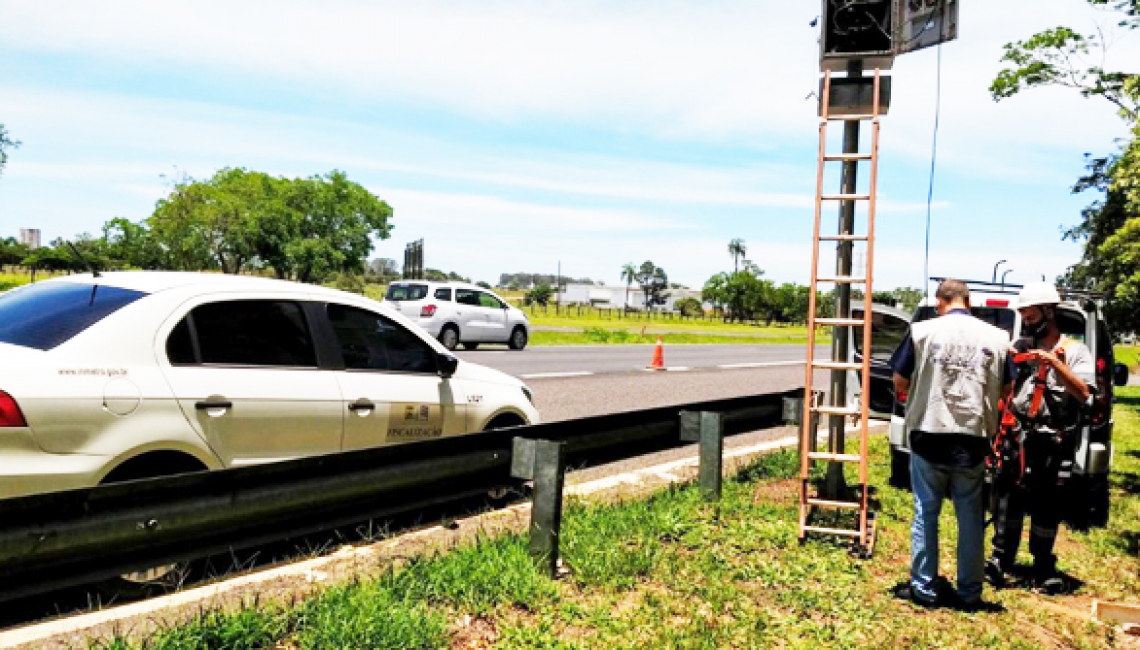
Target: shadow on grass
[
  {"x": 1126, "y": 481},
  {"x": 1128, "y": 400}
]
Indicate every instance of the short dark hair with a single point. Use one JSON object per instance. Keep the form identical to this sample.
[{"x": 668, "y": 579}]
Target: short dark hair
[{"x": 951, "y": 290}]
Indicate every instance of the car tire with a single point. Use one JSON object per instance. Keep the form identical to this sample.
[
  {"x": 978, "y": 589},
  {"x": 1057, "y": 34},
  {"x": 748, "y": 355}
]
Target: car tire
[
  {"x": 470, "y": 346},
  {"x": 163, "y": 578},
  {"x": 449, "y": 337},
  {"x": 518, "y": 339}
]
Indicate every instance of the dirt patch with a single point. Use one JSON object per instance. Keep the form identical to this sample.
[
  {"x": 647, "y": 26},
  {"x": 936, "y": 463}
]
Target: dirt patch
[
  {"x": 473, "y": 633},
  {"x": 786, "y": 492}
]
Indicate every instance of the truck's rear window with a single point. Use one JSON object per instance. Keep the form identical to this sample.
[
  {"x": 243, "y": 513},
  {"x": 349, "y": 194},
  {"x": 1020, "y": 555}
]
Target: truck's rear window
[
  {"x": 48, "y": 314},
  {"x": 997, "y": 316},
  {"x": 406, "y": 292}
]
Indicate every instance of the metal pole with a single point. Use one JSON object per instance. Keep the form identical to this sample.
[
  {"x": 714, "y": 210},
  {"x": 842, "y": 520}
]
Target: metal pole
[
  {"x": 835, "y": 486},
  {"x": 996, "y": 268},
  {"x": 1005, "y": 273}
]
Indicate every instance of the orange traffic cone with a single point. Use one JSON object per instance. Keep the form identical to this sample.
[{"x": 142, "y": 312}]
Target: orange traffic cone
[{"x": 658, "y": 362}]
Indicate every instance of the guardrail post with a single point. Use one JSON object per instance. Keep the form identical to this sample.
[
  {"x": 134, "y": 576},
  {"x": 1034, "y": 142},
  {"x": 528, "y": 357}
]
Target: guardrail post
[
  {"x": 706, "y": 428},
  {"x": 542, "y": 461},
  {"x": 793, "y": 415}
]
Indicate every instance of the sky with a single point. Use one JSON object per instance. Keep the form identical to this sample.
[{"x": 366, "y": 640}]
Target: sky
[{"x": 515, "y": 136}]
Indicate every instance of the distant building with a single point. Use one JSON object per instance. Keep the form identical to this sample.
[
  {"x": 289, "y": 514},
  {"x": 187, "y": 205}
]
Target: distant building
[
  {"x": 611, "y": 296},
  {"x": 30, "y": 237}
]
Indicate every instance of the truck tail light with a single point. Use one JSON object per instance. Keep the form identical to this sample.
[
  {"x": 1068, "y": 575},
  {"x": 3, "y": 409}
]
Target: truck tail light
[
  {"x": 427, "y": 311},
  {"x": 10, "y": 414},
  {"x": 994, "y": 302}
]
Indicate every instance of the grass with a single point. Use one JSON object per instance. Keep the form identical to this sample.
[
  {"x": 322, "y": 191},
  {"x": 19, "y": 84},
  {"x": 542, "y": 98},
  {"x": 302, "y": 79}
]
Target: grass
[
  {"x": 672, "y": 571},
  {"x": 605, "y": 336},
  {"x": 1129, "y": 355}
]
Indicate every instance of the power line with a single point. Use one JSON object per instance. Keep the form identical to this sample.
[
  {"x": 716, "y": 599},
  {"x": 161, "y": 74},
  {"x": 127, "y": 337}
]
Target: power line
[{"x": 933, "y": 162}]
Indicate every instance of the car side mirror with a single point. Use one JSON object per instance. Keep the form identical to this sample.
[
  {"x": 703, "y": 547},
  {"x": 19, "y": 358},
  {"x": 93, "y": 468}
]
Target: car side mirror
[
  {"x": 447, "y": 365},
  {"x": 1120, "y": 375}
]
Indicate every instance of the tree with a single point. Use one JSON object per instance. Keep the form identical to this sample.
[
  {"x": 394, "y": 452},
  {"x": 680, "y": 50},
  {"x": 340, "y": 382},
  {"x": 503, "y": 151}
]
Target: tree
[
  {"x": 12, "y": 252},
  {"x": 540, "y": 295},
  {"x": 132, "y": 245},
  {"x": 305, "y": 229},
  {"x": 653, "y": 282},
  {"x": 737, "y": 250},
  {"x": 6, "y": 143},
  {"x": 1109, "y": 227},
  {"x": 689, "y": 307},
  {"x": 628, "y": 273}
]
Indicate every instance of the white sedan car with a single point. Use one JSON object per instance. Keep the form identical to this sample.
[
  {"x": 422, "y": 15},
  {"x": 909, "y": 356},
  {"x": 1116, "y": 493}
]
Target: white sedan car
[{"x": 141, "y": 374}]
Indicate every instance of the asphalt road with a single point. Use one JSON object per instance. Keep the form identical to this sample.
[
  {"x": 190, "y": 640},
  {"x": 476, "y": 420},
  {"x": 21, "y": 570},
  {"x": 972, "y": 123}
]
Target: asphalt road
[{"x": 571, "y": 361}]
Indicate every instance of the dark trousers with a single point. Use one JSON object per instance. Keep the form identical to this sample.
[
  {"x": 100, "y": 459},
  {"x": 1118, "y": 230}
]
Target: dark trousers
[{"x": 1037, "y": 495}]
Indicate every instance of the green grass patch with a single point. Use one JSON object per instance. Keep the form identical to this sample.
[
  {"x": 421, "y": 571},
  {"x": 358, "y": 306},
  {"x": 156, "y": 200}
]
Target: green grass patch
[
  {"x": 1129, "y": 355},
  {"x": 673, "y": 571},
  {"x": 604, "y": 336}
]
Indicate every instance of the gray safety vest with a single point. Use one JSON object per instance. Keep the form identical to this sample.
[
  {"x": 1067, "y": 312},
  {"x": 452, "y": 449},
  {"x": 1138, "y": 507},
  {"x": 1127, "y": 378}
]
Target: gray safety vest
[{"x": 957, "y": 376}]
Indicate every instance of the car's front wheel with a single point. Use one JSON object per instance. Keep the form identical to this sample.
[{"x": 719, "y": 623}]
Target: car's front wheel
[
  {"x": 449, "y": 337},
  {"x": 518, "y": 339}
]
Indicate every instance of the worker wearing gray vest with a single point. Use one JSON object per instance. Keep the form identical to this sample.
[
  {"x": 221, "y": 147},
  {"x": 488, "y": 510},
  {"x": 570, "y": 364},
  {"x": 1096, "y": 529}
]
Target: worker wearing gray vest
[{"x": 952, "y": 370}]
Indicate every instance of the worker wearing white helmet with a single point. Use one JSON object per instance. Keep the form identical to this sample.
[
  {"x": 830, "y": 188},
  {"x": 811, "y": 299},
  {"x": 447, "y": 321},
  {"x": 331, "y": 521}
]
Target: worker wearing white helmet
[{"x": 1046, "y": 435}]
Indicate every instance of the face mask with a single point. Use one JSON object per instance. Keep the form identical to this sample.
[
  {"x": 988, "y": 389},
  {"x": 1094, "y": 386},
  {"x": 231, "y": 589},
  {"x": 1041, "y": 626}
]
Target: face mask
[{"x": 1036, "y": 330}]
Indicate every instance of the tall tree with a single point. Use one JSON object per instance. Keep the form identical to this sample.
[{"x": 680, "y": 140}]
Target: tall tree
[
  {"x": 653, "y": 282},
  {"x": 629, "y": 274},
  {"x": 737, "y": 250},
  {"x": 1110, "y": 227}
]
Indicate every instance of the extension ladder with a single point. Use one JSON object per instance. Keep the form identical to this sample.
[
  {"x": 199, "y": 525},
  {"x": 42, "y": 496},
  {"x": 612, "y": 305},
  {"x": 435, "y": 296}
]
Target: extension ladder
[{"x": 863, "y": 531}]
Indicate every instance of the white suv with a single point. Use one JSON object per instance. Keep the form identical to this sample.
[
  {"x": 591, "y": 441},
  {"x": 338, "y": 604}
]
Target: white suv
[{"x": 456, "y": 312}]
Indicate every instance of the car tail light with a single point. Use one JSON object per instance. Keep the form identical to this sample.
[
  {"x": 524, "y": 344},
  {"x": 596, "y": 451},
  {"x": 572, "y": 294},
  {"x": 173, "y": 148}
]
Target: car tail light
[
  {"x": 1101, "y": 364},
  {"x": 994, "y": 302},
  {"x": 427, "y": 311},
  {"x": 10, "y": 415}
]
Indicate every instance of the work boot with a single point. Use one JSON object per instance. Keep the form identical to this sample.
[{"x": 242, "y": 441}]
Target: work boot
[
  {"x": 1046, "y": 579},
  {"x": 995, "y": 573}
]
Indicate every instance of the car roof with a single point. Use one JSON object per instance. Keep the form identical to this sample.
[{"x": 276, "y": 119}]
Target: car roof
[
  {"x": 158, "y": 281},
  {"x": 445, "y": 283}
]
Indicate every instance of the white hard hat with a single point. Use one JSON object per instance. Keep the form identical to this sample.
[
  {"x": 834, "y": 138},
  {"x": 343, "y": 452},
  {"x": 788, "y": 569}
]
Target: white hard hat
[{"x": 1038, "y": 293}]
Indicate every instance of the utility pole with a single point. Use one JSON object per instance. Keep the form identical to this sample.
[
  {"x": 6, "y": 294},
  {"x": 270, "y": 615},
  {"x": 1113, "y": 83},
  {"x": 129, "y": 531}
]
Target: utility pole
[
  {"x": 558, "y": 290},
  {"x": 835, "y": 486}
]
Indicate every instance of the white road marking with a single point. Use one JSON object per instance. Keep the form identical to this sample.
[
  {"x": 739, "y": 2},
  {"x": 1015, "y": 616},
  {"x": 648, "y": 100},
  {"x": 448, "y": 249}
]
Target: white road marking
[
  {"x": 547, "y": 375},
  {"x": 765, "y": 364}
]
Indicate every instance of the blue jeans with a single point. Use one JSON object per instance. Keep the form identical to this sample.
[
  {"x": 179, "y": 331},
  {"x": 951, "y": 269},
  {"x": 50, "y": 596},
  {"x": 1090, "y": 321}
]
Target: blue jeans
[{"x": 931, "y": 482}]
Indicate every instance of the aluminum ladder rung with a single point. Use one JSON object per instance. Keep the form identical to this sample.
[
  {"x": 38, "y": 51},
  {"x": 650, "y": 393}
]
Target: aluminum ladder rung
[
  {"x": 843, "y": 237},
  {"x": 832, "y": 531},
  {"x": 843, "y": 279},
  {"x": 824, "y": 503},
  {"x": 839, "y": 458},
  {"x": 841, "y": 322},
  {"x": 837, "y": 410},
  {"x": 845, "y": 197},
  {"x": 846, "y": 157},
  {"x": 836, "y": 365}
]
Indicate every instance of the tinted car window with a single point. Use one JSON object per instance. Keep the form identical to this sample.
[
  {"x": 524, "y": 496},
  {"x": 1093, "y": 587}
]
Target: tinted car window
[
  {"x": 487, "y": 300},
  {"x": 406, "y": 292},
  {"x": 467, "y": 297},
  {"x": 48, "y": 314},
  {"x": 887, "y": 333},
  {"x": 254, "y": 333},
  {"x": 369, "y": 341},
  {"x": 443, "y": 294},
  {"x": 1072, "y": 324},
  {"x": 180, "y": 347}
]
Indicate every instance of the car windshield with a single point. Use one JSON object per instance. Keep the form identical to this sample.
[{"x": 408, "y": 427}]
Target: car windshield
[
  {"x": 398, "y": 292},
  {"x": 48, "y": 314}
]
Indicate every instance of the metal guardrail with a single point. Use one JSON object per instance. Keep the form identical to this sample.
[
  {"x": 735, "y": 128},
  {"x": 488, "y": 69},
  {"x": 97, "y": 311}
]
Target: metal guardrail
[{"x": 76, "y": 537}]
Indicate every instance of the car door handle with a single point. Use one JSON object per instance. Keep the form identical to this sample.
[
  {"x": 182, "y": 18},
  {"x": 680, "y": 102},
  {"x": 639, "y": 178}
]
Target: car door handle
[
  {"x": 213, "y": 404},
  {"x": 362, "y": 405}
]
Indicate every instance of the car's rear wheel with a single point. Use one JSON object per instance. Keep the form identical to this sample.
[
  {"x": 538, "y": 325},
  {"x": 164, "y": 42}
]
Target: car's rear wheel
[
  {"x": 449, "y": 337},
  {"x": 165, "y": 577},
  {"x": 470, "y": 346},
  {"x": 518, "y": 339},
  {"x": 502, "y": 495}
]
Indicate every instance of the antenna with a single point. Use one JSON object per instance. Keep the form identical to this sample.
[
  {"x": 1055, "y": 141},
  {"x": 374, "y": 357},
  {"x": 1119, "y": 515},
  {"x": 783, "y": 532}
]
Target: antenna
[{"x": 94, "y": 271}]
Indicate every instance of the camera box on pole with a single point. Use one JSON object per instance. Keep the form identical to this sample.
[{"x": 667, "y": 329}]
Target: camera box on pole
[{"x": 876, "y": 31}]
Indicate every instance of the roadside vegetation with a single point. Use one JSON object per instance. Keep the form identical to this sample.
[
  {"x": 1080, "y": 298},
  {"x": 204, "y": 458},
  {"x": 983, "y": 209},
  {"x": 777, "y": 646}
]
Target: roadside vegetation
[
  {"x": 674, "y": 572},
  {"x": 1129, "y": 355},
  {"x": 607, "y": 336}
]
